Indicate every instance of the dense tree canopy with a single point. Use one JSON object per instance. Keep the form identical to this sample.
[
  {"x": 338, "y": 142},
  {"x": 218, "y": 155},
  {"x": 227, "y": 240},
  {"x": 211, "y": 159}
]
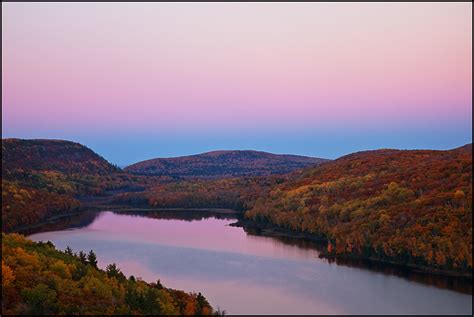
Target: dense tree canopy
[
  {"x": 224, "y": 164},
  {"x": 44, "y": 178},
  {"x": 412, "y": 207},
  {"x": 23, "y": 206},
  {"x": 233, "y": 193}
]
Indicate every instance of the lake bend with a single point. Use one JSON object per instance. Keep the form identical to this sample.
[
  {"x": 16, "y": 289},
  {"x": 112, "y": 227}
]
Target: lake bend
[{"x": 241, "y": 273}]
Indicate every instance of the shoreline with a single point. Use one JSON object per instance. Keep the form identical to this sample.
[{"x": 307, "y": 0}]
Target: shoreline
[
  {"x": 118, "y": 208},
  {"x": 270, "y": 230},
  {"x": 252, "y": 227},
  {"x": 50, "y": 220},
  {"x": 214, "y": 210}
]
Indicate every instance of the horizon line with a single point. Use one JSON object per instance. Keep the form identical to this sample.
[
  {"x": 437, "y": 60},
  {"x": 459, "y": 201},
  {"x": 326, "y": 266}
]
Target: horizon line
[{"x": 231, "y": 150}]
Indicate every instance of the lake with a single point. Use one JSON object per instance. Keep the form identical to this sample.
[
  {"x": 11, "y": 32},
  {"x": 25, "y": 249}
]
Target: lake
[{"x": 244, "y": 273}]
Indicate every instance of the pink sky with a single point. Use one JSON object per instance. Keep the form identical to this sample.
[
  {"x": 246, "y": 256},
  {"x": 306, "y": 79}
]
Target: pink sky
[{"x": 164, "y": 67}]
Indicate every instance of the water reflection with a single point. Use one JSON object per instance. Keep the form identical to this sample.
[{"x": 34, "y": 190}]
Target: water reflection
[
  {"x": 83, "y": 220},
  {"x": 459, "y": 284},
  {"x": 76, "y": 221},
  {"x": 245, "y": 273},
  {"x": 182, "y": 214}
]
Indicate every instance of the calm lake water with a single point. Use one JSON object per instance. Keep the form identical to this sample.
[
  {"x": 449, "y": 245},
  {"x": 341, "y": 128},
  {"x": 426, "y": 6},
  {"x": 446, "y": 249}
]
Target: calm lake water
[{"x": 244, "y": 274}]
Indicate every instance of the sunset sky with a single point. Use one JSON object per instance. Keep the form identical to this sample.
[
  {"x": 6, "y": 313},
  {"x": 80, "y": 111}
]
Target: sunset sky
[{"x": 135, "y": 81}]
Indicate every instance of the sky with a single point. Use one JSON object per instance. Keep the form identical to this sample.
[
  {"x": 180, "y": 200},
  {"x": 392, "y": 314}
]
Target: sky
[{"x": 135, "y": 81}]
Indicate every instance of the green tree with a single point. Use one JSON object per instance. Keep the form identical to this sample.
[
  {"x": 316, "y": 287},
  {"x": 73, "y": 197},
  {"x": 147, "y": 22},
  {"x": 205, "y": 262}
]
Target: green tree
[
  {"x": 68, "y": 251},
  {"x": 92, "y": 258},
  {"x": 82, "y": 257},
  {"x": 40, "y": 300},
  {"x": 113, "y": 271},
  {"x": 201, "y": 303}
]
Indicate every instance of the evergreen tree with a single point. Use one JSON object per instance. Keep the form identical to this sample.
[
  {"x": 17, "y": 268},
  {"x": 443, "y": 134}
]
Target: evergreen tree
[
  {"x": 158, "y": 284},
  {"x": 68, "y": 251},
  {"x": 201, "y": 303},
  {"x": 92, "y": 258},
  {"x": 113, "y": 271},
  {"x": 82, "y": 257}
]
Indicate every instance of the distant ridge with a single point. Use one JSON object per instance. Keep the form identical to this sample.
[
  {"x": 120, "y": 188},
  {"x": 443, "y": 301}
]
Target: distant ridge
[
  {"x": 224, "y": 163},
  {"x": 45, "y": 154}
]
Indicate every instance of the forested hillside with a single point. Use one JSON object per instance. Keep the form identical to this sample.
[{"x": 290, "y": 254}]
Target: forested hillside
[
  {"x": 43, "y": 178},
  {"x": 61, "y": 167},
  {"x": 409, "y": 207},
  {"x": 58, "y": 155},
  {"x": 23, "y": 206},
  {"x": 221, "y": 164},
  {"x": 38, "y": 279},
  {"x": 237, "y": 193}
]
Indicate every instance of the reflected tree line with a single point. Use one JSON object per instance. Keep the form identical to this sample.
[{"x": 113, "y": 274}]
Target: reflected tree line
[
  {"x": 456, "y": 283},
  {"x": 460, "y": 284}
]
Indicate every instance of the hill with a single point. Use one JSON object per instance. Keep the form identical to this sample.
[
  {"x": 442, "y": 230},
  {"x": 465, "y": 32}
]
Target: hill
[
  {"x": 408, "y": 207},
  {"x": 37, "y": 279},
  {"x": 220, "y": 164},
  {"x": 43, "y": 178},
  {"x": 237, "y": 193},
  {"x": 58, "y": 155}
]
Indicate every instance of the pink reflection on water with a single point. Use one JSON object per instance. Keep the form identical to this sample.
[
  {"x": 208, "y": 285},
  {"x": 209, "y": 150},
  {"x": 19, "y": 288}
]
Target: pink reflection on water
[
  {"x": 209, "y": 234},
  {"x": 259, "y": 284},
  {"x": 258, "y": 299}
]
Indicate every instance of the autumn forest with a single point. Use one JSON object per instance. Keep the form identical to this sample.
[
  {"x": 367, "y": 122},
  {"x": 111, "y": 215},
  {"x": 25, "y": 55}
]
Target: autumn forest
[{"x": 411, "y": 208}]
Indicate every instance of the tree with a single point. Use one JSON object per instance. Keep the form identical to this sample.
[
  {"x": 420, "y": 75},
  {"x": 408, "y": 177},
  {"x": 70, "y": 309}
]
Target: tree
[
  {"x": 459, "y": 194},
  {"x": 45, "y": 281},
  {"x": 40, "y": 300},
  {"x": 158, "y": 284},
  {"x": 68, "y": 251},
  {"x": 113, "y": 271},
  {"x": 92, "y": 258},
  {"x": 82, "y": 257},
  {"x": 7, "y": 275},
  {"x": 220, "y": 312},
  {"x": 202, "y": 303}
]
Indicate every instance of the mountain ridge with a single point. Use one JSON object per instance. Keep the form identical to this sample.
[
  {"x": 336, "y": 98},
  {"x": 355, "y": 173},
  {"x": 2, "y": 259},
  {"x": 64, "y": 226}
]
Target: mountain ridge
[
  {"x": 52, "y": 154},
  {"x": 224, "y": 163}
]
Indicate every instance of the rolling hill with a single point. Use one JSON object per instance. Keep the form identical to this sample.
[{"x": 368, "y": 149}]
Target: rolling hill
[
  {"x": 43, "y": 178},
  {"x": 220, "y": 164},
  {"x": 58, "y": 155},
  {"x": 412, "y": 207}
]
